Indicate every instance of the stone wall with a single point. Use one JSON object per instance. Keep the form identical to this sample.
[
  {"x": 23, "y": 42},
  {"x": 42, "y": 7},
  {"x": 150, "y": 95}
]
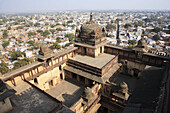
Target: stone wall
[{"x": 5, "y": 106}]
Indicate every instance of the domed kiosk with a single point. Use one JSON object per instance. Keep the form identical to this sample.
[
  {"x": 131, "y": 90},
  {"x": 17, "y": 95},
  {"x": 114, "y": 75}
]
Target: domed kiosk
[{"x": 91, "y": 38}]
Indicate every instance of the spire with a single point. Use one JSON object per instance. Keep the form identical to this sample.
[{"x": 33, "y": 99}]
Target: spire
[{"x": 91, "y": 16}]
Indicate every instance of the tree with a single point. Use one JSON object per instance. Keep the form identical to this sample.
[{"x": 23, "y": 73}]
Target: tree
[
  {"x": 5, "y": 44},
  {"x": 111, "y": 35},
  {"x": 70, "y": 21},
  {"x": 45, "y": 33},
  {"x": 58, "y": 24},
  {"x": 139, "y": 23},
  {"x": 131, "y": 43},
  {"x": 157, "y": 29},
  {"x": 13, "y": 37},
  {"x": 9, "y": 28},
  {"x": 16, "y": 54},
  {"x": 31, "y": 23},
  {"x": 36, "y": 24},
  {"x": 52, "y": 26},
  {"x": 58, "y": 38},
  {"x": 57, "y": 45},
  {"x": 20, "y": 27},
  {"x": 71, "y": 36},
  {"x": 1, "y": 22},
  {"x": 110, "y": 26},
  {"x": 46, "y": 24},
  {"x": 3, "y": 68},
  {"x": 31, "y": 42},
  {"x": 59, "y": 29},
  {"x": 5, "y": 34},
  {"x": 156, "y": 37},
  {"x": 52, "y": 31},
  {"x": 127, "y": 25},
  {"x": 22, "y": 62},
  {"x": 39, "y": 31},
  {"x": 31, "y": 33}
]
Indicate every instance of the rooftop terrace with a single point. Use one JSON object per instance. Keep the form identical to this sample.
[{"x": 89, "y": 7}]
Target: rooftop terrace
[
  {"x": 67, "y": 91},
  {"x": 98, "y": 62},
  {"x": 29, "y": 99}
]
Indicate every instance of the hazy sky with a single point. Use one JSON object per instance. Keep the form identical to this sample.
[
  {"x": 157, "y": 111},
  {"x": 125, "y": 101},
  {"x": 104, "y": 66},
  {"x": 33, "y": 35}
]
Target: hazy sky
[{"x": 52, "y": 5}]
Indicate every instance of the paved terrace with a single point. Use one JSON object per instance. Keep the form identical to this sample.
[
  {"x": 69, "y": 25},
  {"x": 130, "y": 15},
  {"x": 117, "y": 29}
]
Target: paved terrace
[
  {"x": 67, "y": 91},
  {"x": 99, "y": 61},
  {"x": 148, "y": 92},
  {"x": 31, "y": 100},
  {"x": 119, "y": 78}
]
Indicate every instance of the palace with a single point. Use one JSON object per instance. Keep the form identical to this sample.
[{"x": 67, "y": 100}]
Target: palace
[{"x": 93, "y": 76}]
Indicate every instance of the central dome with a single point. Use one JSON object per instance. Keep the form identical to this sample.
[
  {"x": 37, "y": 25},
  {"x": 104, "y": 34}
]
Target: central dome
[{"x": 90, "y": 33}]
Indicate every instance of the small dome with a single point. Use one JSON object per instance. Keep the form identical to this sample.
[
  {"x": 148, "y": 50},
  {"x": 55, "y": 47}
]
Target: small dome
[
  {"x": 90, "y": 29},
  {"x": 88, "y": 94},
  {"x": 44, "y": 50},
  {"x": 123, "y": 85},
  {"x": 141, "y": 43}
]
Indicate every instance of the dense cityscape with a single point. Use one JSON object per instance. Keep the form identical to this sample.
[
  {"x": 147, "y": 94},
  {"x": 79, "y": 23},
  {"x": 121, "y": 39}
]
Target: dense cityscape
[{"x": 22, "y": 35}]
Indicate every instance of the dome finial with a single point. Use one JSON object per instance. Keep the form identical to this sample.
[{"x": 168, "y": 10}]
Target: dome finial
[{"x": 91, "y": 16}]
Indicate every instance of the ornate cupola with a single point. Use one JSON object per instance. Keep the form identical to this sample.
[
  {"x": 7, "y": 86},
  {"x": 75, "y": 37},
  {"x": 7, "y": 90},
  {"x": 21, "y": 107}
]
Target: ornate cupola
[{"x": 90, "y": 36}]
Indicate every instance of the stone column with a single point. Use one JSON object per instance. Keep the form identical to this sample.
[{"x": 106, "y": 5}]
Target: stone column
[
  {"x": 86, "y": 81},
  {"x": 78, "y": 78}
]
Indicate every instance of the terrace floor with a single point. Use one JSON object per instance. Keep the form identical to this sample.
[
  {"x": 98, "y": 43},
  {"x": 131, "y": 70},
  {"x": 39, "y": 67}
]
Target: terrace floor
[
  {"x": 98, "y": 61},
  {"x": 29, "y": 99},
  {"x": 67, "y": 91},
  {"x": 119, "y": 78}
]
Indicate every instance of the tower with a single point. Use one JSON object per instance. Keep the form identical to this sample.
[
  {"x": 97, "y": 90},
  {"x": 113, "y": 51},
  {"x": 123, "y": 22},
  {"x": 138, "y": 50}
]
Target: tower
[{"x": 91, "y": 38}]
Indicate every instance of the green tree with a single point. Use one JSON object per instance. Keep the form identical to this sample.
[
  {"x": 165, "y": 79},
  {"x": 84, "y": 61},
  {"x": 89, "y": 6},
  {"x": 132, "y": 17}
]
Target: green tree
[
  {"x": 9, "y": 28},
  {"x": 58, "y": 38},
  {"x": 71, "y": 36},
  {"x": 30, "y": 33},
  {"x": 3, "y": 68},
  {"x": 16, "y": 54},
  {"x": 5, "y": 34},
  {"x": 46, "y": 24},
  {"x": 111, "y": 35},
  {"x": 22, "y": 62},
  {"x": 127, "y": 25},
  {"x": 5, "y": 44},
  {"x": 19, "y": 40},
  {"x": 39, "y": 31},
  {"x": 70, "y": 21},
  {"x": 59, "y": 29},
  {"x": 20, "y": 27},
  {"x": 58, "y": 24},
  {"x": 31, "y": 23},
  {"x": 57, "y": 45},
  {"x": 139, "y": 23},
  {"x": 52, "y": 26},
  {"x": 31, "y": 42},
  {"x": 110, "y": 26},
  {"x": 52, "y": 31},
  {"x": 1, "y": 22},
  {"x": 157, "y": 29},
  {"x": 156, "y": 37},
  {"x": 45, "y": 33},
  {"x": 13, "y": 37},
  {"x": 37, "y": 24},
  {"x": 132, "y": 43}
]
